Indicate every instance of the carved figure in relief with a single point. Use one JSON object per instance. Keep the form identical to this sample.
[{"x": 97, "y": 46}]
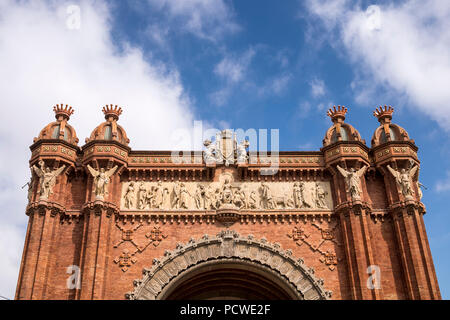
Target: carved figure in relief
[
  {"x": 200, "y": 197},
  {"x": 240, "y": 199},
  {"x": 306, "y": 196},
  {"x": 184, "y": 197},
  {"x": 130, "y": 196},
  {"x": 321, "y": 197},
  {"x": 252, "y": 201},
  {"x": 284, "y": 201},
  {"x": 210, "y": 155},
  {"x": 158, "y": 195},
  {"x": 353, "y": 180},
  {"x": 227, "y": 192},
  {"x": 47, "y": 179},
  {"x": 216, "y": 199},
  {"x": 403, "y": 179},
  {"x": 165, "y": 199},
  {"x": 101, "y": 180},
  {"x": 142, "y": 196},
  {"x": 297, "y": 195},
  {"x": 241, "y": 150},
  {"x": 267, "y": 201},
  {"x": 176, "y": 196},
  {"x": 150, "y": 198}
]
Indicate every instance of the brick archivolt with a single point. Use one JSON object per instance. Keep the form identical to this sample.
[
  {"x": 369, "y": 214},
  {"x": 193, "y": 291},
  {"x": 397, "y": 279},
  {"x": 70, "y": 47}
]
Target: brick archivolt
[{"x": 228, "y": 245}]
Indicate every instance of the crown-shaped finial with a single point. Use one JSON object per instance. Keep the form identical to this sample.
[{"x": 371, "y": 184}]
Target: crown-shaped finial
[
  {"x": 63, "y": 111},
  {"x": 337, "y": 114},
  {"x": 384, "y": 114},
  {"x": 112, "y": 111}
]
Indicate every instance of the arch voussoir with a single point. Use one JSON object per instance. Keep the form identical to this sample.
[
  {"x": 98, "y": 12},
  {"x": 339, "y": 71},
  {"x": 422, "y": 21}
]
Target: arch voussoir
[{"x": 228, "y": 245}]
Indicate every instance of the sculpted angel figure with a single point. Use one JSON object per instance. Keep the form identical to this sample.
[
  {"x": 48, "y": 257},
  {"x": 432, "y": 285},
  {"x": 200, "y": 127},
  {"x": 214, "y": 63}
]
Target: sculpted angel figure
[
  {"x": 47, "y": 179},
  {"x": 352, "y": 180},
  {"x": 210, "y": 152},
  {"x": 101, "y": 180},
  {"x": 242, "y": 156},
  {"x": 29, "y": 184},
  {"x": 403, "y": 179}
]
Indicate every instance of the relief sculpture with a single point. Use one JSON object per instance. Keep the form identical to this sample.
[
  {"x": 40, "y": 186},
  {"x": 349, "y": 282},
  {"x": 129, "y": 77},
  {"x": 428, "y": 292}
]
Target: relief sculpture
[{"x": 304, "y": 195}]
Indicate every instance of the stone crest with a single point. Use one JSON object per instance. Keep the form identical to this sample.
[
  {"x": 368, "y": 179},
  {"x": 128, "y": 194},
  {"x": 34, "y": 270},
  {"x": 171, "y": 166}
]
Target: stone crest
[{"x": 226, "y": 150}]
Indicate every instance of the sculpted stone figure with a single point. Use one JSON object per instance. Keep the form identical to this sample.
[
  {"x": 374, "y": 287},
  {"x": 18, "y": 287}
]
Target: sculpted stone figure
[
  {"x": 47, "y": 179},
  {"x": 30, "y": 187},
  {"x": 158, "y": 195},
  {"x": 176, "y": 196},
  {"x": 240, "y": 199},
  {"x": 353, "y": 180},
  {"x": 267, "y": 201},
  {"x": 165, "y": 199},
  {"x": 210, "y": 152},
  {"x": 419, "y": 189},
  {"x": 184, "y": 197},
  {"x": 297, "y": 195},
  {"x": 320, "y": 197},
  {"x": 101, "y": 181},
  {"x": 252, "y": 201},
  {"x": 200, "y": 197},
  {"x": 130, "y": 196},
  {"x": 142, "y": 196},
  {"x": 403, "y": 179},
  {"x": 242, "y": 155},
  {"x": 227, "y": 192}
]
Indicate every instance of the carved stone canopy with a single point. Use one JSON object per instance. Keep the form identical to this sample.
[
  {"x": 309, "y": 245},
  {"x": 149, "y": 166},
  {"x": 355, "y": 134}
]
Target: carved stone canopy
[{"x": 229, "y": 247}]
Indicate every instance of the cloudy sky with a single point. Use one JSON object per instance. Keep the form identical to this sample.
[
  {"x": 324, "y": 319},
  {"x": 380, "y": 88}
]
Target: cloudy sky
[{"x": 238, "y": 64}]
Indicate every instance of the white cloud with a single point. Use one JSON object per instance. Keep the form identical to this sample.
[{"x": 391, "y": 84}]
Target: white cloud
[
  {"x": 402, "y": 47},
  {"x": 280, "y": 83},
  {"x": 43, "y": 63},
  {"x": 233, "y": 68},
  {"x": 444, "y": 185},
  {"x": 207, "y": 19},
  {"x": 317, "y": 88}
]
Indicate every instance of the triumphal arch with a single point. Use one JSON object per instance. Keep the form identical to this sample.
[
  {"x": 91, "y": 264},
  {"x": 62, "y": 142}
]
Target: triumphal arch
[{"x": 109, "y": 222}]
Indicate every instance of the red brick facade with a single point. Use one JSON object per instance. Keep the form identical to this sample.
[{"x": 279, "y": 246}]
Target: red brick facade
[{"x": 381, "y": 226}]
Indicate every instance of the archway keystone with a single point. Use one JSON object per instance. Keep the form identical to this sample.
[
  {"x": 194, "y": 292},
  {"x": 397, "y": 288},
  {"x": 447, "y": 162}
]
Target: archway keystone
[{"x": 229, "y": 245}]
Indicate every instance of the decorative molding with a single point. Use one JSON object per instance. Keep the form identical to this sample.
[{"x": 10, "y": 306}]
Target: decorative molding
[
  {"x": 328, "y": 257},
  {"x": 228, "y": 245},
  {"x": 154, "y": 236}
]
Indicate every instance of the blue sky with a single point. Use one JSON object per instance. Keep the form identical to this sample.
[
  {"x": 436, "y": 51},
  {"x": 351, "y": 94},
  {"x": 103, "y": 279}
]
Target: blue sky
[{"x": 239, "y": 64}]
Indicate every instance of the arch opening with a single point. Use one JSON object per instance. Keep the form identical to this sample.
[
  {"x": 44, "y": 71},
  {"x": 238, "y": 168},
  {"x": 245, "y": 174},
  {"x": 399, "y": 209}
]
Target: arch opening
[
  {"x": 228, "y": 266},
  {"x": 228, "y": 279}
]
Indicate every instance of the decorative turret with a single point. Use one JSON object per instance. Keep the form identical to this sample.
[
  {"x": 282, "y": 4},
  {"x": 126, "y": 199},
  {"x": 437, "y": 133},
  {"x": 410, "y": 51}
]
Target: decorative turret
[
  {"x": 63, "y": 113},
  {"x": 110, "y": 130},
  {"x": 112, "y": 114},
  {"x": 337, "y": 115},
  {"x": 387, "y": 131},
  {"x": 340, "y": 131},
  {"x": 59, "y": 130}
]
